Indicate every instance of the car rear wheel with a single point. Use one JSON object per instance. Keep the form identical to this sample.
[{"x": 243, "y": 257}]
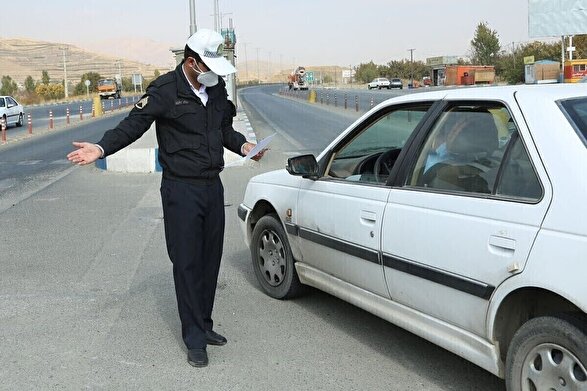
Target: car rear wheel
[
  {"x": 548, "y": 353},
  {"x": 273, "y": 261},
  {"x": 20, "y": 120}
]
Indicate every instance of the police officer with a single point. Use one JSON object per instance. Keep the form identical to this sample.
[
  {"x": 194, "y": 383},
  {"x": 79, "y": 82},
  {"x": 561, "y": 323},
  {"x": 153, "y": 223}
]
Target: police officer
[{"x": 194, "y": 123}]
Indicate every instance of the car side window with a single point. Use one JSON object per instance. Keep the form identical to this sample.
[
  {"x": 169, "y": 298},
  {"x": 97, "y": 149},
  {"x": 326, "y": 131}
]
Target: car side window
[
  {"x": 476, "y": 149},
  {"x": 369, "y": 155},
  {"x": 2, "y": 103},
  {"x": 518, "y": 178},
  {"x": 464, "y": 149}
]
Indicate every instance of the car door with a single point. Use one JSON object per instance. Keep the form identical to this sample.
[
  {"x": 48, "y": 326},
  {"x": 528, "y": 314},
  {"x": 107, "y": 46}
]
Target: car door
[
  {"x": 466, "y": 215},
  {"x": 12, "y": 110},
  {"x": 340, "y": 214}
]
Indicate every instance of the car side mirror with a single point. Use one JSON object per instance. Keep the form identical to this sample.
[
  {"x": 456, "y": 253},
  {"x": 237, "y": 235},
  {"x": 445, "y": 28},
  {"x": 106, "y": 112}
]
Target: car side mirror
[
  {"x": 305, "y": 166},
  {"x": 10, "y": 105}
]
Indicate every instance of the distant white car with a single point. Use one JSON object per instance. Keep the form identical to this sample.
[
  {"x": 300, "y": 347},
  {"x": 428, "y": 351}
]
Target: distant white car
[
  {"x": 11, "y": 112},
  {"x": 379, "y": 83},
  {"x": 457, "y": 215}
]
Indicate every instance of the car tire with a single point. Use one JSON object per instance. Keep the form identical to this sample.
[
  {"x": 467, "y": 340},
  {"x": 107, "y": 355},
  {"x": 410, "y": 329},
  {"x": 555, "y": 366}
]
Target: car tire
[
  {"x": 548, "y": 353},
  {"x": 273, "y": 261},
  {"x": 20, "y": 120}
]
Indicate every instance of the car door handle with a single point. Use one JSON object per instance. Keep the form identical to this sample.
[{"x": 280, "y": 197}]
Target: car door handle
[
  {"x": 368, "y": 216},
  {"x": 504, "y": 245}
]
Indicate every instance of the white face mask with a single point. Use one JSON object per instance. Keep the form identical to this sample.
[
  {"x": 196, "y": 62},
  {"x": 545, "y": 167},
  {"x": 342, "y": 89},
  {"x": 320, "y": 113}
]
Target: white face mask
[{"x": 208, "y": 79}]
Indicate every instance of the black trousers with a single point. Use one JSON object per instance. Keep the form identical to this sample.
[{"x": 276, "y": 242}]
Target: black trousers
[{"x": 194, "y": 231}]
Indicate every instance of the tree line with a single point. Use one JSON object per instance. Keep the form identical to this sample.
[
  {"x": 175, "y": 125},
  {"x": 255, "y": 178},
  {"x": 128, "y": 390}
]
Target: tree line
[
  {"x": 486, "y": 49},
  {"x": 44, "y": 89}
]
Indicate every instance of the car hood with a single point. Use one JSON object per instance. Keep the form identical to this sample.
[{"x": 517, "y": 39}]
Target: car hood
[{"x": 278, "y": 177}]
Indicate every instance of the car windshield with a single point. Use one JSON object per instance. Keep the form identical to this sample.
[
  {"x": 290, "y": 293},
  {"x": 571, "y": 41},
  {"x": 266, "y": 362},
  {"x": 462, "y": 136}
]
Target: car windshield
[
  {"x": 106, "y": 82},
  {"x": 576, "y": 110}
]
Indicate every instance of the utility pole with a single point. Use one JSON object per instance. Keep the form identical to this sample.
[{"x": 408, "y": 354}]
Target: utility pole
[
  {"x": 216, "y": 16},
  {"x": 246, "y": 66},
  {"x": 411, "y": 67},
  {"x": 269, "y": 67},
  {"x": 258, "y": 78},
  {"x": 193, "y": 27},
  {"x": 65, "y": 87}
]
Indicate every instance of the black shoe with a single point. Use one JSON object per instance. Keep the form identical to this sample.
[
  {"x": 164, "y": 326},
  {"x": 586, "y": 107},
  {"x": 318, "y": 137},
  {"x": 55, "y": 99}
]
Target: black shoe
[
  {"x": 198, "y": 357},
  {"x": 213, "y": 338}
]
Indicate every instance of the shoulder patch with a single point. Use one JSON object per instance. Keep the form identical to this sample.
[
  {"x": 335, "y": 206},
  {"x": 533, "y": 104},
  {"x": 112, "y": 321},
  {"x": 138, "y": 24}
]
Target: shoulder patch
[{"x": 142, "y": 103}]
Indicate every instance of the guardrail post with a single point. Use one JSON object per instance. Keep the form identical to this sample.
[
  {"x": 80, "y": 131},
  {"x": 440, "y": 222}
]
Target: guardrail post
[
  {"x": 30, "y": 123},
  {"x": 50, "y": 119}
]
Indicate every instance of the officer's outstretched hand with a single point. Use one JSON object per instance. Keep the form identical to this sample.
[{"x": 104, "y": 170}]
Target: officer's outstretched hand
[
  {"x": 85, "y": 153},
  {"x": 249, "y": 146}
]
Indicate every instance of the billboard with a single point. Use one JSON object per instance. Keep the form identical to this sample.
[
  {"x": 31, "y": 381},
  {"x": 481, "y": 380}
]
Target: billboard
[{"x": 554, "y": 18}]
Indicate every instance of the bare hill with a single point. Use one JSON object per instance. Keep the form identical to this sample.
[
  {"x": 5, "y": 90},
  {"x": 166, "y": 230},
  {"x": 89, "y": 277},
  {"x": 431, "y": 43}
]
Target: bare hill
[{"x": 20, "y": 58}]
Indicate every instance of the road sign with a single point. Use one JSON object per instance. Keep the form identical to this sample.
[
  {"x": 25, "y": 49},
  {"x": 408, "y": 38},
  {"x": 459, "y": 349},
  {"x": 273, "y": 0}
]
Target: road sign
[{"x": 310, "y": 76}]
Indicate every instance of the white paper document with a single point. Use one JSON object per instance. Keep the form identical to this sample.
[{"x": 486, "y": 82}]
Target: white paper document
[{"x": 261, "y": 145}]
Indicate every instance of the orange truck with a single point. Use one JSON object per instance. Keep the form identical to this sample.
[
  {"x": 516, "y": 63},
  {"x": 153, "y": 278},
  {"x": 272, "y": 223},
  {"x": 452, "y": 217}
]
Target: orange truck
[{"x": 109, "y": 88}]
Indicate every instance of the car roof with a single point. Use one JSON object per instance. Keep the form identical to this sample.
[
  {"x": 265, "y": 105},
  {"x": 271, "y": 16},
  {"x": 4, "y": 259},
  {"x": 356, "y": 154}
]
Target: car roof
[{"x": 548, "y": 91}]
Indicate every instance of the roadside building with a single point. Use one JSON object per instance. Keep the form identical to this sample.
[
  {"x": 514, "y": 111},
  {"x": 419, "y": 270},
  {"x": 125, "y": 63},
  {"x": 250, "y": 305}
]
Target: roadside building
[
  {"x": 540, "y": 72},
  {"x": 575, "y": 70},
  {"x": 445, "y": 70}
]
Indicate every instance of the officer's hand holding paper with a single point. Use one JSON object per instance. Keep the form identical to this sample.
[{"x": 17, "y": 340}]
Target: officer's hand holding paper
[{"x": 255, "y": 154}]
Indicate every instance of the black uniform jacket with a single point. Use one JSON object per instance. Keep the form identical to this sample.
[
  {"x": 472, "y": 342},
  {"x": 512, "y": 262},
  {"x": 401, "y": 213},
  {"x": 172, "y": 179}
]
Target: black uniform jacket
[{"x": 191, "y": 136}]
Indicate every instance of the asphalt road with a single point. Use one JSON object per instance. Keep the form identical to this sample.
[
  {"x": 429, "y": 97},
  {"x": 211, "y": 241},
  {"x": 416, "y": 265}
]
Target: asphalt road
[{"x": 87, "y": 299}]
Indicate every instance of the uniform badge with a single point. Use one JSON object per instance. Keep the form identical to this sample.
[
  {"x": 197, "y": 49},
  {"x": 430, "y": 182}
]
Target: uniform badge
[{"x": 142, "y": 103}]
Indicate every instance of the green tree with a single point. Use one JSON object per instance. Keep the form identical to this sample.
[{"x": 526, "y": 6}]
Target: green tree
[
  {"x": 45, "y": 79},
  {"x": 157, "y": 73},
  {"x": 29, "y": 84},
  {"x": 93, "y": 77},
  {"x": 9, "y": 86},
  {"x": 485, "y": 45},
  {"x": 366, "y": 72}
]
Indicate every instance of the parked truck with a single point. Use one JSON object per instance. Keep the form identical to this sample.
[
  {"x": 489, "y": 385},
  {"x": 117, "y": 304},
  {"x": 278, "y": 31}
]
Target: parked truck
[
  {"x": 109, "y": 88},
  {"x": 297, "y": 79}
]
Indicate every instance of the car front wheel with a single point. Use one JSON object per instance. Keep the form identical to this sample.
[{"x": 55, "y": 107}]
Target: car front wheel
[
  {"x": 273, "y": 261},
  {"x": 548, "y": 353},
  {"x": 20, "y": 120}
]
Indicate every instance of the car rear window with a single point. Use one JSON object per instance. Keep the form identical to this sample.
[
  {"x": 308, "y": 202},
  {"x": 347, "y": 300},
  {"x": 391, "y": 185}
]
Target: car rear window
[{"x": 576, "y": 111}]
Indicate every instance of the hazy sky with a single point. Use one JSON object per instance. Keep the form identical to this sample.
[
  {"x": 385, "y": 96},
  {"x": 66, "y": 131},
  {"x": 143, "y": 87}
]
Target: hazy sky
[{"x": 307, "y": 32}]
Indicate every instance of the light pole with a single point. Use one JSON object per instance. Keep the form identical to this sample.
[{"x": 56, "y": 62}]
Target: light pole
[
  {"x": 411, "y": 67},
  {"x": 193, "y": 27},
  {"x": 258, "y": 77}
]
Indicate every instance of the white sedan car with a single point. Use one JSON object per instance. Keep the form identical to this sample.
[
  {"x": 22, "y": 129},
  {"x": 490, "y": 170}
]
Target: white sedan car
[
  {"x": 11, "y": 112},
  {"x": 457, "y": 215},
  {"x": 379, "y": 83}
]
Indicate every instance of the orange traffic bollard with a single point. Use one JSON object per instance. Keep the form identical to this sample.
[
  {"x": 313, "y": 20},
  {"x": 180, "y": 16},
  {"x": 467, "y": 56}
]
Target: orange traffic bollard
[
  {"x": 81, "y": 113},
  {"x": 67, "y": 115},
  {"x": 50, "y": 119},
  {"x": 30, "y": 123}
]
